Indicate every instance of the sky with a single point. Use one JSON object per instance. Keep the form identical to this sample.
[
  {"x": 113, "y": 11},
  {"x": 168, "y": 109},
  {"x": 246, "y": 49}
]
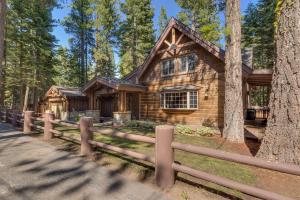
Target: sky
[{"x": 170, "y": 5}]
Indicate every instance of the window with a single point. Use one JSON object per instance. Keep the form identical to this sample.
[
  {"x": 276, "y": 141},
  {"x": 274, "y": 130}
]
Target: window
[
  {"x": 179, "y": 100},
  {"x": 168, "y": 67},
  {"x": 188, "y": 63}
]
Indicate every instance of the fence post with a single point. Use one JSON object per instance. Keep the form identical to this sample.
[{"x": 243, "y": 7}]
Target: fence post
[
  {"x": 164, "y": 156},
  {"x": 86, "y": 148},
  {"x": 49, "y": 116},
  {"x": 27, "y": 122},
  {"x": 14, "y": 118}
]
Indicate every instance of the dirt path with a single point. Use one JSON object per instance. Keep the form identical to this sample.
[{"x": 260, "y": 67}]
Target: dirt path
[{"x": 33, "y": 169}]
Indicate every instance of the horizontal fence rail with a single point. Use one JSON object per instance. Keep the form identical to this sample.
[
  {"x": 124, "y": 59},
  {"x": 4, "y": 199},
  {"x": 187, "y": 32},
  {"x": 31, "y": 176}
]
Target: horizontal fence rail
[
  {"x": 65, "y": 123},
  {"x": 134, "y": 137},
  {"x": 126, "y": 152},
  {"x": 165, "y": 165},
  {"x": 233, "y": 157},
  {"x": 253, "y": 191}
]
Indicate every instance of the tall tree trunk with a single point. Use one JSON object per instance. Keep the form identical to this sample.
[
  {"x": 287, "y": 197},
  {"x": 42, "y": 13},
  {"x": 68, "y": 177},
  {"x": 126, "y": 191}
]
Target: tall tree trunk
[
  {"x": 2, "y": 31},
  {"x": 233, "y": 107},
  {"x": 25, "y": 106},
  {"x": 282, "y": 139}
]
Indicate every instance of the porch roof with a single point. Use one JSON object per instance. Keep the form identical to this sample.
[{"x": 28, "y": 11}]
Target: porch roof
[
  {"x": 260, "y": 77},
  {"x": 115, "y": 83}
]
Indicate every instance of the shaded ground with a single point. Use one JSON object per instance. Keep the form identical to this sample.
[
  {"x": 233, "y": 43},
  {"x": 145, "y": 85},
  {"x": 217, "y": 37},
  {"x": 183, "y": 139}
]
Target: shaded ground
[
  {"x": 187, "y": 187},
  {"x": 33, "y": 169}
]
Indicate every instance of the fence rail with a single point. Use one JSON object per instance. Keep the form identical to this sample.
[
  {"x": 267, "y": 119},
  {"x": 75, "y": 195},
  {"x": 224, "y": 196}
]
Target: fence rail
[{"x": 165, "y": 165}]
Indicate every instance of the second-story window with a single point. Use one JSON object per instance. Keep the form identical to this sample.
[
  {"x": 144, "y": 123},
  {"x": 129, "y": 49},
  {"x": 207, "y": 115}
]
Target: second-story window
[
  {"x": 168, "y": 67},
  {"x": 187, "y": 63}
]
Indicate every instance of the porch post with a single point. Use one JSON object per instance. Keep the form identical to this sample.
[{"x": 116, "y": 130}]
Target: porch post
[
  {"x": 248, "y": 96},
  {"x": 122, "y": 101}
]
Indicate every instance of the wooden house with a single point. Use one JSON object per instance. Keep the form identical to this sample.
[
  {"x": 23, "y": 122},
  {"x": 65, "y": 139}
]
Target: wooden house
[
  {"x": 64, "y": 101},
  {"x": 180, "y": 81}
]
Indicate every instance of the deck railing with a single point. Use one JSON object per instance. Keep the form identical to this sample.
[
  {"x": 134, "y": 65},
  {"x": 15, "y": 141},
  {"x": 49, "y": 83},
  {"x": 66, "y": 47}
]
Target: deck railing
[{"x": 165, "y": 165}]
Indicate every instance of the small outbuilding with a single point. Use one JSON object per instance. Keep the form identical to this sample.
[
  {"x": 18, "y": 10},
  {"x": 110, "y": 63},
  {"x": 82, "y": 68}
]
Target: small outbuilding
[{"x": 65, "y": 102}]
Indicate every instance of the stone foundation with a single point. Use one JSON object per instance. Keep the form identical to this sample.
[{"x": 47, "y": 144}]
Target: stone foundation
[
  {"x": 95, "y": 114},
  {"x": 121, "y": 118}
]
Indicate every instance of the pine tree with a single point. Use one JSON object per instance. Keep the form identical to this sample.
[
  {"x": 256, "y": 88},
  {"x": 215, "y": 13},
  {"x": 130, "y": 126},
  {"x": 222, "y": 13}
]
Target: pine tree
[
  {"x": 162, "y": 20},
  {"x": 202, "y": 16},
  {"x": 65, "y": 68},
  {"x": 29, "y": 50},
  {"x": 136, "y": 34},
  {"x": 281, "y": 142},
  {"x": 258, "y": 32},
  {"x": 80, "y": 25},
  {"x": 106, "y": 24},
  {"x": 233, "y": 106},
  {"x": 2, "y": 31}
]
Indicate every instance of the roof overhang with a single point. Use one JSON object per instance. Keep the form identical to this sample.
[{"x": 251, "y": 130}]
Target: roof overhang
[
  {"x": 260, "y": 77},
  {"x": 114, "y": 85}
]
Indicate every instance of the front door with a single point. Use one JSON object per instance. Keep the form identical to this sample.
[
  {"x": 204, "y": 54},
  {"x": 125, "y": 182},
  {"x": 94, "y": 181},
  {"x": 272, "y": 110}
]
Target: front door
[
  {"x": 106, "y": 108},
  {"x": 133, "y": 105}
]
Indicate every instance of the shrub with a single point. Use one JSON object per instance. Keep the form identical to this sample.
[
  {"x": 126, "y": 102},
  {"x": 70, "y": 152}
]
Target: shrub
[
  {"x": 149, "y": 125},
  {"x": 205, "y": 131},
  {"x": 183, "y": 129}
]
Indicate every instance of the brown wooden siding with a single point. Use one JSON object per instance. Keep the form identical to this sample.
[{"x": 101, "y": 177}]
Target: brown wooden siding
[{"x": 208, "y": 77}]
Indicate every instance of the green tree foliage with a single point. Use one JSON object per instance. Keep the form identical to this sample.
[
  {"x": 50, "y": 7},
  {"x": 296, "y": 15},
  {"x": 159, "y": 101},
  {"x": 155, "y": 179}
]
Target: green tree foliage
[
  {"x": 136, "y": 34},
  {"x": 258, "y": 32},
  {"x": 163, "y": 19},
  {"x": 66, "y": 68},
  {"x": 202, "y": 16},
  {"x": 29, "y": 50},
  {"x": 79, "y": 24},
  {"x": 105, "y": 23}
]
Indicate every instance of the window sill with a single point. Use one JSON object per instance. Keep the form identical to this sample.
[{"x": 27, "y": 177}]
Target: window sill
[{"x": 169, "y": 75}]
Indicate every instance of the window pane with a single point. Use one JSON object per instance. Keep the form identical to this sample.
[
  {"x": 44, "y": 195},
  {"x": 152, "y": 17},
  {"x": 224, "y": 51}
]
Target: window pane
[
  {"x": 176, "y": 100},
  {"x": 183, "y": 63},
  {"x": 162, "y": 100},
  {"x": 168, "y": 67},
  {"x": 193, "y": 99},
  {"x": 192, "y": 62},
  {"x": 171, "y": 67}
]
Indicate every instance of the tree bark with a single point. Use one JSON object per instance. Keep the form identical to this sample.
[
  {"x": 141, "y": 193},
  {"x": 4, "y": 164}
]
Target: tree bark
[
  {"x": 2, "y": 31},
  {"x": 26, "y": 99},
  {"x": 282, "y": 139},
  {"x": 233, "y": 107}
]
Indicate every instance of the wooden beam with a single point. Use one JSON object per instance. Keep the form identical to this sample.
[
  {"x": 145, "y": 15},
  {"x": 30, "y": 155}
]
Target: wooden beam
[
  {"x": 179, "y": 39},
  {"x": 168, "y": 43},
  {"x": 178, "y": 47},
  {"x": 173, "y": 35}
]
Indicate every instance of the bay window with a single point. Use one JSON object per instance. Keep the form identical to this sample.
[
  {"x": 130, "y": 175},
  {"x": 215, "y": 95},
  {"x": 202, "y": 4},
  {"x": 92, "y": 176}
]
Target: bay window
[{"x": 179, "y": 100}]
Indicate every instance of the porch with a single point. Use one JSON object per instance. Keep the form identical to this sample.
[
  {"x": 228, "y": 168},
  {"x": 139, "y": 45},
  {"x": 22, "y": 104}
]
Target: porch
[
  {"x": 113, "y": 99},
  {"x": 257, "y": 89}
]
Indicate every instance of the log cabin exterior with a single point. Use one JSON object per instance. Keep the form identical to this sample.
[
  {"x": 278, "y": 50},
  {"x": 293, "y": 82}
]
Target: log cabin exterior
[
  {"x": 180, "y": 81},
  {"x": 63, "y": 101}
]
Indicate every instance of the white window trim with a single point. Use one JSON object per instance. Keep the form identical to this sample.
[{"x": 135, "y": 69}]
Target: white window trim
[
  {"x": 188, "y": 100},
  {"x": 162, "y": 67}
]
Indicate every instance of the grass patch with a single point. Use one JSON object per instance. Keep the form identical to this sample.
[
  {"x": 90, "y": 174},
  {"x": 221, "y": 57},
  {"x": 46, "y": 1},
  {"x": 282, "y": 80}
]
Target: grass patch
[{"x": 230, "y": 170}]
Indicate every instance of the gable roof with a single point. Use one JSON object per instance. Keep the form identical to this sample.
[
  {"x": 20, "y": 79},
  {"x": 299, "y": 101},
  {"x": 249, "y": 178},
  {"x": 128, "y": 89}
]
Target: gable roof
[
  {"x": 115, "y": 83},
  {"x": 65, "y": 91},
  {"x": 193, "y": 35}
]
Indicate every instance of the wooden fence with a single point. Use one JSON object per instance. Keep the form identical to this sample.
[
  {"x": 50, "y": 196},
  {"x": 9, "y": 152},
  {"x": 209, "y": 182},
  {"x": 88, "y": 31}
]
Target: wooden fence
[{"x": 165, "y": 165}]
